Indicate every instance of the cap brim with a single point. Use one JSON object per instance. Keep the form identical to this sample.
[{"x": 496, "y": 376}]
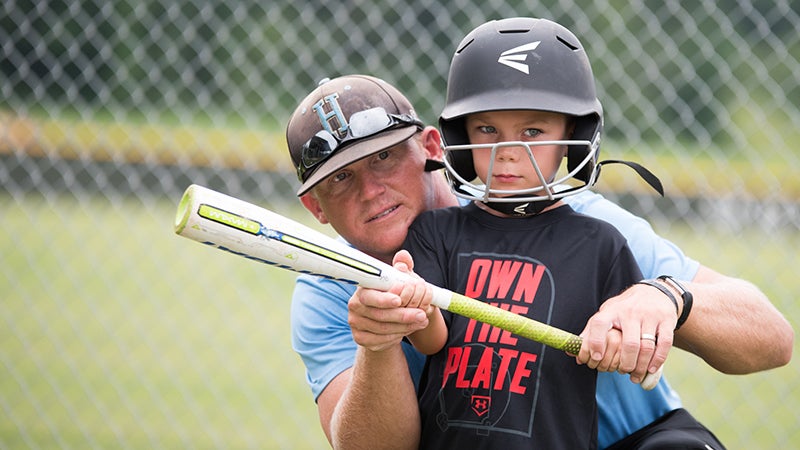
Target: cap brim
[{"x": 357, "y": 151}]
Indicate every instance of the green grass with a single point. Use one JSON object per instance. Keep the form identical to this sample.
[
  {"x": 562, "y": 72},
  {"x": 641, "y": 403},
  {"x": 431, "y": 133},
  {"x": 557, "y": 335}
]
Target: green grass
[
  {"x": 756, "y": 410},
  {"x": 116, "y": 333}
]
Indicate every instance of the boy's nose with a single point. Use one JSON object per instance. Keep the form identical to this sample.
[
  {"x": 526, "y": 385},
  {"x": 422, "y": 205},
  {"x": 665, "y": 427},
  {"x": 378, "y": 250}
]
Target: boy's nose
[{"x": 506, "y": 154}]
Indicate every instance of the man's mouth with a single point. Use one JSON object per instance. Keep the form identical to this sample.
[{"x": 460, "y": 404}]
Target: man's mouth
[{"x": 383, "y": 213}]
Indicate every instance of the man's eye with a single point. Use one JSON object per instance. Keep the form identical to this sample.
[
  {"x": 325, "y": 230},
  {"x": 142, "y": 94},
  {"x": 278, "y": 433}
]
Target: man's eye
[
  {"x": 339, "y": 177},
  {"x": 383, "y": 155}
]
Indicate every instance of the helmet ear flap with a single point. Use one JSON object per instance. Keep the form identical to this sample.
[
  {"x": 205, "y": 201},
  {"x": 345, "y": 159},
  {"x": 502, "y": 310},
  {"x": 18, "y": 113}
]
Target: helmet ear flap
[
  {"x": 454, "y": 133},
  {"x": 587, "y": 128},
  {"x": 575, "y": 155},
  {"x": 461, "y": 162}
]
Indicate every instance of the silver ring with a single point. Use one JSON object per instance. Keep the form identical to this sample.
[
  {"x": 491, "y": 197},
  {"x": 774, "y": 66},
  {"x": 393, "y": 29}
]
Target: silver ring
[{"x": 648, "y": 337}]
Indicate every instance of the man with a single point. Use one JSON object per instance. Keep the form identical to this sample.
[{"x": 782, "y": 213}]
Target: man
[{"x": 364, "y": 161}]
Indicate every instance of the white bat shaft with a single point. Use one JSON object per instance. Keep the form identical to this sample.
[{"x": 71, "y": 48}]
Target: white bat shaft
[{"x": 215, "y": 219}]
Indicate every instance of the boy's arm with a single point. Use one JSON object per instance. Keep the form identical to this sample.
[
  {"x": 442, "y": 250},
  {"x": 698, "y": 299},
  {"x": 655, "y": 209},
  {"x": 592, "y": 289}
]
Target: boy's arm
[{"x": 432, "y": 338}]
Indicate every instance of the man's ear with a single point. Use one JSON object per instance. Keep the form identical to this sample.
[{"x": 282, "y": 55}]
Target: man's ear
[
  {"x": 312, "y": 205},
  {"x": 432, "y": 141}
]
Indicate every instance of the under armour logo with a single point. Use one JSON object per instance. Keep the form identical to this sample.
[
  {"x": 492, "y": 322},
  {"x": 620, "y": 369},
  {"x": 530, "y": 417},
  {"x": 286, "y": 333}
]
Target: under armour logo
[
  {"x": 480, "y": 404},
  {"x": 511, "y": 57}
]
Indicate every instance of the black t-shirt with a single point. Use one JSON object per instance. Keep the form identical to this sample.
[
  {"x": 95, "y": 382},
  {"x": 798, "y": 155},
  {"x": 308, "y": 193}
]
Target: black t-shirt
[{"x": 489, "y": 388}]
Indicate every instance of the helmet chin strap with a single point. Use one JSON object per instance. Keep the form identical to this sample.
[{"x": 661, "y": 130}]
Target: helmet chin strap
[
  {"x": 432, "y": 165},
  {"x": 520, "y": 209}
]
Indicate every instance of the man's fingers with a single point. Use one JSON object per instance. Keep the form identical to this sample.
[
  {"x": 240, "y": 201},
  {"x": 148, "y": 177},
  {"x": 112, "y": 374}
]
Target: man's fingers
[
  {"x": 610, "y": 361},
  {"x": 631, "y": 345},
  {"x": 379, "y": 312},
  {"x": 370, "y": 298},
  {"x": 663, "y": 345},
  {"x": 647, "y": 347}
]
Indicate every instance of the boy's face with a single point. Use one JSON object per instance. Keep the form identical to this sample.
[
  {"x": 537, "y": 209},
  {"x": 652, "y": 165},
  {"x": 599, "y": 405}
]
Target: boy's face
[{"x": 513, "y": 169}]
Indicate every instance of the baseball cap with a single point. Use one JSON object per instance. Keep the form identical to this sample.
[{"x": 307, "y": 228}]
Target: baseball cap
[{"x": 344, "y": 120}]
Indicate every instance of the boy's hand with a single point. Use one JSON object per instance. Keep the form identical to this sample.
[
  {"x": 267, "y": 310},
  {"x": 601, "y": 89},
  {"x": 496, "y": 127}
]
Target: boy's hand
[
  {"x": 381, "y": 319},
  {"x": 610, "y": 362},
  {"x": 417, "y": 294}
]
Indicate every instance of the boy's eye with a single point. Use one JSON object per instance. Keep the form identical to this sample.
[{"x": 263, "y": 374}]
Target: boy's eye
[
  {"x": 532, "y": 132},
  {"x": 488, "y": 129}
]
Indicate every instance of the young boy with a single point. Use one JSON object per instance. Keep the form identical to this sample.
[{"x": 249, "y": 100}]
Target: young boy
[{"x": 520, "y": 99}]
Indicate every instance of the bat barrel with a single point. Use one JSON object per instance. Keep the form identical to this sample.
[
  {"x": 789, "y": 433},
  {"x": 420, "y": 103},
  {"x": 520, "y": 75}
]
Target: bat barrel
[{"x": 184, "y": 209}]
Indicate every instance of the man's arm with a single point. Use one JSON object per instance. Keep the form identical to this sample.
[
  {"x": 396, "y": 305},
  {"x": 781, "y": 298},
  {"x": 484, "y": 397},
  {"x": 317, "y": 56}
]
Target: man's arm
[
  {"x": 372, "y": 405},
  {"x": 330, "y": 321},
  {"x": 733, "y": 326}
]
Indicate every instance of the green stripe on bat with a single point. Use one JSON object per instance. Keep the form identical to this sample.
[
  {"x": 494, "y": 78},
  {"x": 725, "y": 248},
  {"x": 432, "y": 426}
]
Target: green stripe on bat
[
  {"x": 229, "y": 219},
  {"x": 330, "y": 254}
]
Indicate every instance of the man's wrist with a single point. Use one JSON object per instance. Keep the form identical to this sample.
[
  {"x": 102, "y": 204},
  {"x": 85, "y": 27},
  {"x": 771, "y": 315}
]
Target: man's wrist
[
  {"x": 667, "y": 284},
  {"x": 664, "y": 290},
  {"x": 686, "y": 296}
]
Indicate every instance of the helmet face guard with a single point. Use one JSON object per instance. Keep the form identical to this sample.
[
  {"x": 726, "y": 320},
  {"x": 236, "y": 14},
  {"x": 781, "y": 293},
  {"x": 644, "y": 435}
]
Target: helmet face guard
[{"x": 550, "y": 188}]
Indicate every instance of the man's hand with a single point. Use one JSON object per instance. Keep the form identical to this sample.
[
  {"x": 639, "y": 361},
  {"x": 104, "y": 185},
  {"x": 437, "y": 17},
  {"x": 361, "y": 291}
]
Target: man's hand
[{"x": 646, "y": 319}]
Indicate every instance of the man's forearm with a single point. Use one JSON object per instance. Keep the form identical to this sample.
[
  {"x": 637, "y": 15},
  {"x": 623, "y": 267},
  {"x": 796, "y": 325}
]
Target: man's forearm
[
  {"x": 378, "y": 408},
  {"x": 733, "y": 326}
]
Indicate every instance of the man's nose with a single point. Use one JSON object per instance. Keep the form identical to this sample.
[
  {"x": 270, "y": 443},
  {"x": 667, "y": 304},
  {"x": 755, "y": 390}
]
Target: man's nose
[{"x": 371, "y": 184}]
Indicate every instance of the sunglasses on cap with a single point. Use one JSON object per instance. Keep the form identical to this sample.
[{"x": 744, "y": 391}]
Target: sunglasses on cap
[{"x": 362, "y": 124}]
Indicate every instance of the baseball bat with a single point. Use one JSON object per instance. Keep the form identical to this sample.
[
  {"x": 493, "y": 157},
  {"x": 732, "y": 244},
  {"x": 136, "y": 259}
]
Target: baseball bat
[{"x": 256, "y": 233}]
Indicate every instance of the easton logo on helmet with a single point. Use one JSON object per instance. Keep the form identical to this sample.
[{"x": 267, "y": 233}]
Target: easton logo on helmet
[{"x": 511, "y": 57}]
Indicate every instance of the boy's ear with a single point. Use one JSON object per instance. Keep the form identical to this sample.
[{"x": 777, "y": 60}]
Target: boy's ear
[{"x": 312, "y": 205}]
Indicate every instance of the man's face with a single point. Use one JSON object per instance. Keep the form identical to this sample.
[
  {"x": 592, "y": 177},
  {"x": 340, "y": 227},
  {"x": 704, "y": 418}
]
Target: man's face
[{"x": 372, "y": 202}]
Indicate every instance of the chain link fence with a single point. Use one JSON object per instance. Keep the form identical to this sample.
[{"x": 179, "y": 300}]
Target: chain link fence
[{"x": 117, "y": 334}]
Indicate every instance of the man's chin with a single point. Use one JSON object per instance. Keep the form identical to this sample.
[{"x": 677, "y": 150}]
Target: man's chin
[{"x": 383, "y": 249}]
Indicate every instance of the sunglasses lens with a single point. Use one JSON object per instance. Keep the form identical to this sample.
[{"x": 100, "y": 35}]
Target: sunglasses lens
[
  {"x": 368, "y": 122},
  {"x": 316, "y": 150},
  {"x": 319, "y": 147}
]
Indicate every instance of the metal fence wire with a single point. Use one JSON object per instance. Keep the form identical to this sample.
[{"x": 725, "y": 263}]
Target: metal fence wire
[{"x": 117, "y": 334}]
